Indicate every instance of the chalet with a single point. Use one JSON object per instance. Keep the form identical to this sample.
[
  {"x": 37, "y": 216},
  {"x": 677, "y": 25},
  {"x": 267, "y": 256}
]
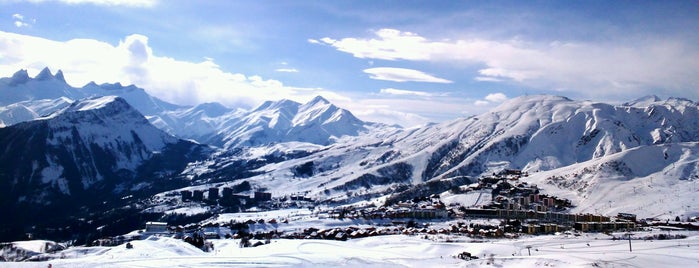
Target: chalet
[
  {"x": 627, "y": 216},
  {"x": 214, "y": 232},
  {"x": 156, "y": 227}
]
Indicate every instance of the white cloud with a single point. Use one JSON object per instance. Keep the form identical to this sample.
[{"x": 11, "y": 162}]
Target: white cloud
[
  {"x": 286, "y": 70},
  {"x": 133, "y": 61},
  {"x": 591, "y": 69},
  {"x": 402, "y": 92},
  {"x": 391, "y": 45},
  {"x": 496, "y": 97},
  {"x": 128, "y": 3},
  {"x": 19, "y": 20},
  {"x": 487, "y": 79},
  {"x": 402, "y": 75},
  {"x": 491, "y": 100},
  {"x": 20, "y": 24}
]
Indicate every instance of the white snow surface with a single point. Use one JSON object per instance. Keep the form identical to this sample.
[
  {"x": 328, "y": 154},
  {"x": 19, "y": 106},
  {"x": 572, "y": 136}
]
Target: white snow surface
[{"x": 588, "y": 250}]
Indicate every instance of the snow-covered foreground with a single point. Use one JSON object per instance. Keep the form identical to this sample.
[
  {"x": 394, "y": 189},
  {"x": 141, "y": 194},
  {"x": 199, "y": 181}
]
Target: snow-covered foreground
[{"x": 588, "y": 250}]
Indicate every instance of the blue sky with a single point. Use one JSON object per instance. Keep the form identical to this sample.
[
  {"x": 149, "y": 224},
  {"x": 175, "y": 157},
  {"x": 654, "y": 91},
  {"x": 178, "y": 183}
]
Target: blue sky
[{"x": 405, "y": 62}]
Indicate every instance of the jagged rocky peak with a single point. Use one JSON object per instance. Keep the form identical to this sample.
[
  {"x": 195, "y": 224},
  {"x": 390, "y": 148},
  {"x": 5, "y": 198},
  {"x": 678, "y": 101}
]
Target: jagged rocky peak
[
  {"x": 45, "y": 75},
  {"x": 20, "y": 77},
  {"x": 59, "y": 76}
]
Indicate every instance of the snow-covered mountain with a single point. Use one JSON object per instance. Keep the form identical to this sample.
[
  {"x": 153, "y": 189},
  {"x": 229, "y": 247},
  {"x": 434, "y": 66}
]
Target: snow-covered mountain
[
  {"x": 94, "y": 150},
  {"x": 47, "y": 93},
  {"x": 537, "y": 134},
  {"x": 318, "y": 121}
]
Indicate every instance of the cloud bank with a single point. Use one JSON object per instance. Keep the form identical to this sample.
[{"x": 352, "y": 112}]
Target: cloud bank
[{"x": 590, "y": 69}]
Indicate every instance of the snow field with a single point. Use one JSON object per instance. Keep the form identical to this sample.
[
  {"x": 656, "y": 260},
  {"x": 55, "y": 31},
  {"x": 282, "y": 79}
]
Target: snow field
[{"x": 588, "y": 250}]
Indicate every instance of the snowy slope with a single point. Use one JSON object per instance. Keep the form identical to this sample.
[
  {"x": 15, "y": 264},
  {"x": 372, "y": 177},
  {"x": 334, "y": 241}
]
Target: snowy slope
[
  {"x": 29, "y": 110},
  {"x": 536, "y": 133},
  {"x": 650, "y": 181},
  {"x": 199, "y": 123}
]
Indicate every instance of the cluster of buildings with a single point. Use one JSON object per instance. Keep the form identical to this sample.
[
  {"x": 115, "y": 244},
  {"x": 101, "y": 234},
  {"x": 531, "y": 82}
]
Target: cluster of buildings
[
  {"x": 509, "y": 193},
  {"x": 427, "y": 208},
  {"x": 224, "y": 197}
]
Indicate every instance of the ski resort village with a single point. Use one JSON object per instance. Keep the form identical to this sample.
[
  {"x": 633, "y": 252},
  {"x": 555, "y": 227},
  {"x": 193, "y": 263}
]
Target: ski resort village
[
  {"x": 383, "y": 133},
  {"x": 100, "y": 177}
]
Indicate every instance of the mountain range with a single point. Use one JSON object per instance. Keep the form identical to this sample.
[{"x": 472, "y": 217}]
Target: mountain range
[
  {"x": 67, "y": 147},
  {"x": 318, "y": 121}
]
